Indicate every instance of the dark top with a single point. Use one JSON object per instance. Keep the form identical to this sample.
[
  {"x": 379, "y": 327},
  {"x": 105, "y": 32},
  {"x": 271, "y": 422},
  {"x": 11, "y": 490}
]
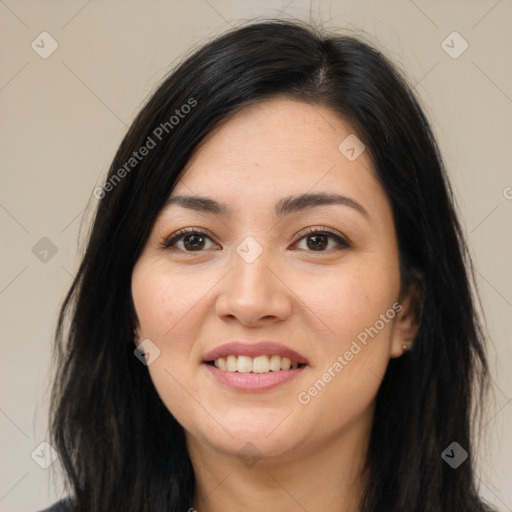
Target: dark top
[{"x": 64, "y": 505}]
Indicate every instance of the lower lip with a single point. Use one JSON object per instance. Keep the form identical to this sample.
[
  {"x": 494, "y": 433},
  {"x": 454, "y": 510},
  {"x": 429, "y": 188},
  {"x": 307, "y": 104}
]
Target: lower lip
[{"x": 253, "y": 381}]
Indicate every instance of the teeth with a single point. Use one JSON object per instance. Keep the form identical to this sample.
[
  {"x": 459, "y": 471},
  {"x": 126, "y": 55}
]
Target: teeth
[
  {"x": 244, "y": 364},
  {"x": 259, "y": 364},
  {"x": 285, "y": 363},
  {"x": 275, "y": 363},
  {"x": 231, "y": 365}
]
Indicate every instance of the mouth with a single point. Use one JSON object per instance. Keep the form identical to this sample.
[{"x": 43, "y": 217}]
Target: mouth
[
  {"x": 259, "y": 364},
  {"x": 254, "y": 367}
]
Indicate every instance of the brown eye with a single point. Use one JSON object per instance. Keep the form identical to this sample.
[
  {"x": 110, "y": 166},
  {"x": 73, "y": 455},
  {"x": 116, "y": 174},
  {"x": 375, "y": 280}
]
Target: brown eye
[
  {"x": 191, "y": 240},
  {"x": 318, "y": 240}
]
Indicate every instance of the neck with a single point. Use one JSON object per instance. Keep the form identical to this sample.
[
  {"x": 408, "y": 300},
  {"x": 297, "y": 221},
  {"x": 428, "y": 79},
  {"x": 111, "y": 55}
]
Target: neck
[{"x": 326, "y": 477}]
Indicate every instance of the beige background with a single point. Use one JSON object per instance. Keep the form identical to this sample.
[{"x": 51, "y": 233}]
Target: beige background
[{"x": 62, "y": 118}]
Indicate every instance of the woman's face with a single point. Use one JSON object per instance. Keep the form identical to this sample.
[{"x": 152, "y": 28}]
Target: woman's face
[{"x": 272, "y": 271}]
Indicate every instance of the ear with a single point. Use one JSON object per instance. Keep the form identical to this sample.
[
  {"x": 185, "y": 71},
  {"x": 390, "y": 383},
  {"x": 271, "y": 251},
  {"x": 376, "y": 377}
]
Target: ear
[
  {"x": 408, "y": 319},
  {"x": 136, "y": 333},
  {"x": 134, "y": 320}
]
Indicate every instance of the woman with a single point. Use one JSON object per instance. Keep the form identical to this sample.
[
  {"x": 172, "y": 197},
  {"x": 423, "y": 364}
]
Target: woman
[{"x": 274, "y": 307}]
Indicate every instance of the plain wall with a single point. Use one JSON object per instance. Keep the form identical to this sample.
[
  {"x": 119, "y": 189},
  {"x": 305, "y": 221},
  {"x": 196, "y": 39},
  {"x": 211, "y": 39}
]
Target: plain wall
[{"x": 62, "y": 118}]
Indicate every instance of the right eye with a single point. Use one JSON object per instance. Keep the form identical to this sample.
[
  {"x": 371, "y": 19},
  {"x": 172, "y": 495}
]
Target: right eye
[{"x": 192, "y": 240}]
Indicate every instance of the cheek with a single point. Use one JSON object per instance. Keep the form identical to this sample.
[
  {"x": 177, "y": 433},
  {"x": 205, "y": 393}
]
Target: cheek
[
  {"x": 349, "y": 299},
  {"x": 165, "y": 304},
  {"x": 164, "y": 299},
  {"x": 353, "y": 323}
]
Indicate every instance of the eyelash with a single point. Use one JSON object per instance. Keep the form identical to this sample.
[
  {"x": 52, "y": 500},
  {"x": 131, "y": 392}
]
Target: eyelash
[{"x": 169, "y": 242}]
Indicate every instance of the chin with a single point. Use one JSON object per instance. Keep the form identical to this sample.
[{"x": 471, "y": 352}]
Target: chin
[
  {"x": 255, "y": 445},
  {"x": 266, "y": 432}
]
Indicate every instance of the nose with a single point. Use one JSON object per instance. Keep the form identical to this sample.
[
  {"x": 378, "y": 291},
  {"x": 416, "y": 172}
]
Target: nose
[{"x": 254, "y": 293}]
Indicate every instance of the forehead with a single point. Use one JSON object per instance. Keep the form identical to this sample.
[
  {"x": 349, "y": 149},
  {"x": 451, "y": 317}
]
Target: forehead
[
  {"x": 278, "y": 147},
  {"x": 276, "y": 128}
]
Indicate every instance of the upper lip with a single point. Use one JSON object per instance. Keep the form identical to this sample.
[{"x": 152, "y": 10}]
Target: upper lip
[{"x": 239, "y": 348}]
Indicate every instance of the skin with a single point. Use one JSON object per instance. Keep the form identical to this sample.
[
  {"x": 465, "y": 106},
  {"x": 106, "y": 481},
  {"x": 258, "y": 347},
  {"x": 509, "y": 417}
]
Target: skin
[{"x": 316, "y": 301}]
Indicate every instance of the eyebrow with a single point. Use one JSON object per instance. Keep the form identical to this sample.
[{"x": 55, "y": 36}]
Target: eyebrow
[{"x": 286, "y": 206}]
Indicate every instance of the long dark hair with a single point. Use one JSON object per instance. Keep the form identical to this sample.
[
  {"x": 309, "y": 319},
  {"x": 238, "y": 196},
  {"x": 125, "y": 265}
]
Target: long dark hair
[{"x": 120, "y": 447}]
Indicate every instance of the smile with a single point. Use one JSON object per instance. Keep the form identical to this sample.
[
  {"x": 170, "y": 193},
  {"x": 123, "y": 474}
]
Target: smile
[
  {"x": 259, "y": 364},
  {"x": 250, "y": 380}
]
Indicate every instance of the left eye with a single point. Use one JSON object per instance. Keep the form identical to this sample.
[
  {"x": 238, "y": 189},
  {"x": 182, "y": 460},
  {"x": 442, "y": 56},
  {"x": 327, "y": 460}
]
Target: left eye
[
  {"x": 320, "y": 240},
  {"x": 195, "y": 241}
]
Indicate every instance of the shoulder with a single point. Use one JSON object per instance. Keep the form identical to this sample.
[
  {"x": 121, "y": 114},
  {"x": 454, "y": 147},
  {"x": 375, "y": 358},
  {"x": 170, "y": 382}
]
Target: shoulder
[{"x": 64, "y": 505}]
